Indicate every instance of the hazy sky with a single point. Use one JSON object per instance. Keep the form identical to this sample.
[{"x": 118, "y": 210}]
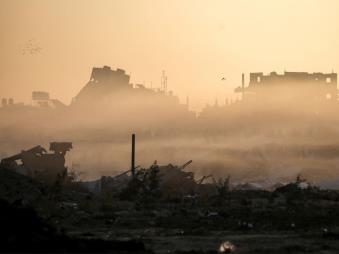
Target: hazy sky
[{"x": 196, "y": 42}]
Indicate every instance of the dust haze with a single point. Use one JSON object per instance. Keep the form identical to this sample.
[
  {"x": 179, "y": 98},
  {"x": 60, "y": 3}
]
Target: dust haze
[
  {"x": 282, "y": 125},
  {"x": 202, "y": 111}
]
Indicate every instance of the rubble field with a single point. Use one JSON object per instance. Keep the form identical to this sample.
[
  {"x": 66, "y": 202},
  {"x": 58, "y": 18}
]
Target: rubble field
[{"x": 164, "y": 209}]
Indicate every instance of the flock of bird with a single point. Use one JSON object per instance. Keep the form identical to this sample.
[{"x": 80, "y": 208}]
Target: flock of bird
[{"x": 31, "y": 48}]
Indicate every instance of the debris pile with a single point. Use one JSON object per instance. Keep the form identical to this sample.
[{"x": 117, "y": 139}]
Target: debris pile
[
  {"x": 38, "y": 163},
  {"x": 150, "y": 204}
]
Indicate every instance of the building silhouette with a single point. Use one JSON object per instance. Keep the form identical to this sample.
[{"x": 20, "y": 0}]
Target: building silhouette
[{"x": 290, "y": 86}]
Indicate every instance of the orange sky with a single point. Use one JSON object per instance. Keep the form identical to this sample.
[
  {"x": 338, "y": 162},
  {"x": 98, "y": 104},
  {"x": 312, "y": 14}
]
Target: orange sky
[{"x": 197, "y": 42}]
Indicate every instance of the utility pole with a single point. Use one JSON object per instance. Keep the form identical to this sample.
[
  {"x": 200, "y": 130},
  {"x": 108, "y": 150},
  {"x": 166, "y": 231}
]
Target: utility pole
[
  {"x": 242, "y": 86},
  {"x": 133, "y": 156}
]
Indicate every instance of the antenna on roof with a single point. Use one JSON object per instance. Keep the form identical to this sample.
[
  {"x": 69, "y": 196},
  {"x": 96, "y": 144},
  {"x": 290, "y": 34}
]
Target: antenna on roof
[{"x": 164, "y": 82}]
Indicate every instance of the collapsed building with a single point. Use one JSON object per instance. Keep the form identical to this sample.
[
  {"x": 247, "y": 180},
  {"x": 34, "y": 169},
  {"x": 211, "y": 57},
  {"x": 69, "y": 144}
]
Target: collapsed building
[
  {"x": 105, "y": 82},
  {"x": 173, "y": 180},
  {"x": 110, "y": 92},
  {"x": 38, "y": 163}
]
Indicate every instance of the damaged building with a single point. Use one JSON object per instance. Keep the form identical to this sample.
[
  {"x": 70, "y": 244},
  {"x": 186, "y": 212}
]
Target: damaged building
[
  {"x": 105, "y": 82},
  {"x": 38, "y": 163},
  {"x": 110, "y": 93},
  {"x": 290, "y": 86}
]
